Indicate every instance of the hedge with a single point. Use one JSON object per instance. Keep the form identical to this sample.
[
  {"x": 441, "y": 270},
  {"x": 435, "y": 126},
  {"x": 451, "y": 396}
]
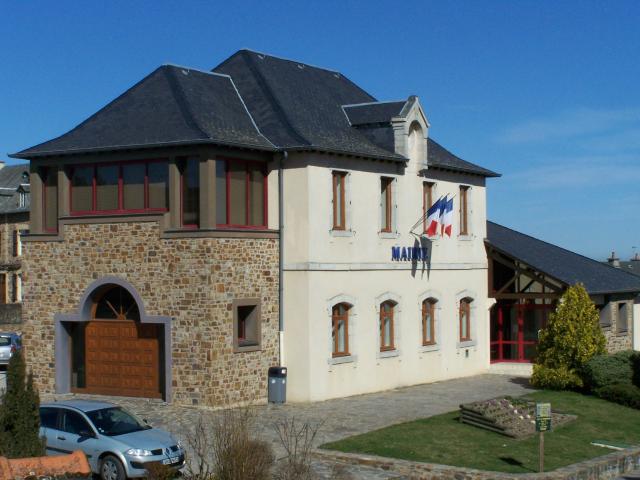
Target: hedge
[
  {"x": 622, "y": 393},
  {"x": 604, "y": 370}
]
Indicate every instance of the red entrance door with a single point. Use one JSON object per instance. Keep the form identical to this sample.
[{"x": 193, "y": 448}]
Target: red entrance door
[{"x": 515, "y": 329}]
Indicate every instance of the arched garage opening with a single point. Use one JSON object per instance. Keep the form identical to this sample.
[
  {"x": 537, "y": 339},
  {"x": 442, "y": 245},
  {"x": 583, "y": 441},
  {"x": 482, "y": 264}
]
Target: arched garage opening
[{"x": 111, "y": 347}]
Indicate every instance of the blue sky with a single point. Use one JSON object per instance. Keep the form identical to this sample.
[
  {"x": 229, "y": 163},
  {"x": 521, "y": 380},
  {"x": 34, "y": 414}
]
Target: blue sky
[{"x": 544, "y": 92}]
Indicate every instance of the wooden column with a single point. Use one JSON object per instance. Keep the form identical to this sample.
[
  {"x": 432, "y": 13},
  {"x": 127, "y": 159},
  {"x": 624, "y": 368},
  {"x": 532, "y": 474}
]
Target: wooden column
[
  {"x": 35, "y": 215},
  {"x": 208, "y": 193}
]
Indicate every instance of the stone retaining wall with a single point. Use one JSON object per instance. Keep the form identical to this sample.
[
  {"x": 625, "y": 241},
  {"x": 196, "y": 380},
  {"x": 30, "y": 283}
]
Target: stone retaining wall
[
  {"x": 607, "y": 467},
  {"x": 192, "y": 280}
]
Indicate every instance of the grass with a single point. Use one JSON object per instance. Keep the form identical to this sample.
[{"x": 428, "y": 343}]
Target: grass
[{"x": 443, "y": 439}]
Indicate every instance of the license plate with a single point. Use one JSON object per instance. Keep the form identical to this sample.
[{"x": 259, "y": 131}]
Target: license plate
[{"x": 170, "y": 460}]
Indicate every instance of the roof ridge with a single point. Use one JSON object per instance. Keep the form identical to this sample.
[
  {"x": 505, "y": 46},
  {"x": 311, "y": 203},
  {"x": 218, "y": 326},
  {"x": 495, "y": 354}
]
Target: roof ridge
[
  {"x": 206, "y": 72},
  {"x": 90, "y": 117},
  {"x": 351, "y": 105},
  {"x": 183, "y": 105},
  {"x": 565, "y": 249},
  {"x": 262, "y": 83}
]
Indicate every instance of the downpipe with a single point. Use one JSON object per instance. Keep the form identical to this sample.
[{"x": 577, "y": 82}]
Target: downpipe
[{"x": 281, "y": 227}]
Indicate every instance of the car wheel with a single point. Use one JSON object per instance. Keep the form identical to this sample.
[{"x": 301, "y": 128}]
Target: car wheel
[{"x": 111, "y": 469}]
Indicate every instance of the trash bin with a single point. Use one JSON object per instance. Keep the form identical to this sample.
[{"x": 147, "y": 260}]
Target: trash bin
[{"x": 277, "y": 385}]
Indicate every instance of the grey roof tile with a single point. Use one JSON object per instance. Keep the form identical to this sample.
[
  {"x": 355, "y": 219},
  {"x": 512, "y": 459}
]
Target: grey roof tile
[{"x": 563, "y": 265}]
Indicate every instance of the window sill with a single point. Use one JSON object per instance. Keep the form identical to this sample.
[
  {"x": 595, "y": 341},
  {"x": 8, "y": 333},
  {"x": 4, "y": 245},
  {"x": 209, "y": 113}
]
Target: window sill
[
  {"x": 429, "y": 348},
  {"x": 466, "y": 344},
  {"x": 389, "y": 353},
  {"x": 342, "y": 359},
  {"x": 391, "y": 235},
  {"x": 465, "y": 238},
  {"x": 246, "y": 348},
  {"x": 341, "y": 233}
]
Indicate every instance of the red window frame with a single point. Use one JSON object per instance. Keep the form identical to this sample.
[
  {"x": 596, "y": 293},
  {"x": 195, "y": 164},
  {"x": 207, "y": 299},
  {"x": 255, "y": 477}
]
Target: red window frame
[
  {"x": 182, "y": 166},
  {"x": 120, "y": 209},
  {"x": 263, "y": 168}
]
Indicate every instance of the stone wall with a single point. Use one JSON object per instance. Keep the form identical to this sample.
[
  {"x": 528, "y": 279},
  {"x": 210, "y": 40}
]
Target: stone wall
[
  {"x": 10, "y": 264},
  {"x": 192, "y": 280},
  {"x": 617, "y": 339}
]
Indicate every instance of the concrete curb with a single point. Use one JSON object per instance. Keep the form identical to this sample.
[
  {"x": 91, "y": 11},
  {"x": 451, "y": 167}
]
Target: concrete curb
[{"x": 607, "y": 467}]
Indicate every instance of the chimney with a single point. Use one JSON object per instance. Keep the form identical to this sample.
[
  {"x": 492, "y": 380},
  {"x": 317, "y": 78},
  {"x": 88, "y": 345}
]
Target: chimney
[{"x": 613, "y": 260}]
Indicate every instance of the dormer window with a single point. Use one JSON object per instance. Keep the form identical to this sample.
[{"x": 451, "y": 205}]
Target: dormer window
[{"x": 416, "y": 143}]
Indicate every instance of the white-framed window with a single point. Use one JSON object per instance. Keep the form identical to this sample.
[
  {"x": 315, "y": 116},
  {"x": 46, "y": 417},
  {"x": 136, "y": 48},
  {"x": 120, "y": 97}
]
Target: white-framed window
[
  {"x": 388, "y": 207},
  {"x": 341, "y": 324},
  {"x": 340, "y": 204},
  {"x": 466, "y": 319},
  {"x": 388, "y": 312}
]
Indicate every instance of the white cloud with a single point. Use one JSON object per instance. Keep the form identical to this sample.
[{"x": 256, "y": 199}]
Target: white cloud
[{"x": 569, "y": 124}]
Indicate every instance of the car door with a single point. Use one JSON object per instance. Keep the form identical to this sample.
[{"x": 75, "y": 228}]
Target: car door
[
  {"x": 49, "y": 428},
  {"x": 73, "y": 434}
]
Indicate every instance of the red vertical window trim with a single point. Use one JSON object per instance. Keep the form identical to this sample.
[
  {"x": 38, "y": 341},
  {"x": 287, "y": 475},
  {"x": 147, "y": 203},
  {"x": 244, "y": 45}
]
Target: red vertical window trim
[
  {"x": 248, "y": 170},
  {"x": 189, "y": 226},
  {"x": 94, "y": 191}
]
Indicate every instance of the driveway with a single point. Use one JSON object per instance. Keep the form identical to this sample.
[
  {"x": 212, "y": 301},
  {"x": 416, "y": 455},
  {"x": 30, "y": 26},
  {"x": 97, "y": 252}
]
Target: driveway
[{"x": 340, "y": 418}]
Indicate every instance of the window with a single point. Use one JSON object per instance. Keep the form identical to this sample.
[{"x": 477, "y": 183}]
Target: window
[
  {"x": 429, "y": 321},
  {"x": 116, "y": 303},
  {"x": 241, "y": 194},
  {"x": 112, "y": 188},
  {"x": 604, "y": 310},
  {"x": 465, "y": 319},
  {"x": 3, "y": 288},
  {"x": 49, "y": 417},
  {"x": 340, "y": 329},
  {"x": 17, "y": 287},
  {"x": 339, "y": 222},
  {"x": 74, "y": 423},
  {"x": 464, "y": 210},
  {"x": 622, "y": 323},
  {"x": 50, "y": 200},
  {"x": 246, "y": 325},
  {"x": 190, "y": 191},
  {"x": 386, "y": 205},
  {"x": 17, "y": 244},
  {"x": 427, "y": 201},
  {"x": 416, "y": 143},
  {"x": 386, "y": 326}
]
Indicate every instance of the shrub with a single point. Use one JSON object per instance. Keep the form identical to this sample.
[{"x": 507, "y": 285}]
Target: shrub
[
  {"x": 635, "y": 367},
  {"x": 604, "y": 370},
  {"x": 19, "y": 413},
  {"x": 555, "y": 378},
  {"x": 223, "y": 448},
  {"x": 622, "y": 393},
  {"x": 297, "y": 439},
  {"x": 570, "y": 339}
]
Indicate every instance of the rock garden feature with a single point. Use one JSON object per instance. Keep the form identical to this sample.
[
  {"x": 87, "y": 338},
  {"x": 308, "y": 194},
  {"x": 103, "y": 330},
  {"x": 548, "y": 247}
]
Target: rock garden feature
[{"x": 513, "y": 417}]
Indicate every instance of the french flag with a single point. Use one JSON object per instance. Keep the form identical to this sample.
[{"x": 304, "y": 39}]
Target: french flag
[
  {"x": 433, "y": 218},
  {"x": 446, "y": 216}
]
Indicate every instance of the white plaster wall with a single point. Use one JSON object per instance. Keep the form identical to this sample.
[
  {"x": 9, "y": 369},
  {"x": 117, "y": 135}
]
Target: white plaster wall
[
  {"x": 321, "y": 264},
  {"x": 636, "y": 326}
]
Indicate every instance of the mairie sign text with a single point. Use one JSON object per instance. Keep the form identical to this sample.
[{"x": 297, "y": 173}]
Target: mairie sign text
[{"x": 409, "y": 254}]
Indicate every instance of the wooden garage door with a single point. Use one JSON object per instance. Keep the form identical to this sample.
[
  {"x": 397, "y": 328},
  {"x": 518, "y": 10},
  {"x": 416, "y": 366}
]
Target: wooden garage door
[{"x": 122, "y": 358}]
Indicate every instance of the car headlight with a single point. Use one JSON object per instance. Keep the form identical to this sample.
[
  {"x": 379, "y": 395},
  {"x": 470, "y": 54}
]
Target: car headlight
[{"x": 138, "y": 452}]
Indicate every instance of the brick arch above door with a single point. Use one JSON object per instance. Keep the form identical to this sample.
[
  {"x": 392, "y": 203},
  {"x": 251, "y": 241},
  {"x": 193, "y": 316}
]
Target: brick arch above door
[{"x": 84, "y": 314}]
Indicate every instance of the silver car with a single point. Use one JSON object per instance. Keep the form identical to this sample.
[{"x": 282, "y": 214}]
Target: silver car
[
  {"x": 10, "y": 343},
  {"x": 118, "y": 445}
]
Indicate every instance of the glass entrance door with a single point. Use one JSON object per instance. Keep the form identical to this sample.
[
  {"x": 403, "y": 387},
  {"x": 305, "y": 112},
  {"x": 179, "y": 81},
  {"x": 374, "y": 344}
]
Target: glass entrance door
[{"x": 514, "y": 331}]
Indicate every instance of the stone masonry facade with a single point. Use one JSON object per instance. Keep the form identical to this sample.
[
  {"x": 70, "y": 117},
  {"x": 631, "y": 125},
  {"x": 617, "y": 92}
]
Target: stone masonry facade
[
  {"x": 192, "y": 280},
  {"x": 618, "y": 337}
]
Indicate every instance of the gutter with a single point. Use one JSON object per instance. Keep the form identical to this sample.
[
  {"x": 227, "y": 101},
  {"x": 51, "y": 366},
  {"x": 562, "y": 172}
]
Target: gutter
[{"x": 283, "y": 159}]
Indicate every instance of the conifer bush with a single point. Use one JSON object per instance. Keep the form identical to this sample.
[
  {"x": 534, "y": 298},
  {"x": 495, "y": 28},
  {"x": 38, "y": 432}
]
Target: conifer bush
[
  {"x": 570, "y": 339},
  {"x": 19, "y": 413},
  {"x": 604, "y": 370}
]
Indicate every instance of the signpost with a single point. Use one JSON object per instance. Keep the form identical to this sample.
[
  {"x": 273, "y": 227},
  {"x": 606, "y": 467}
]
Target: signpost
[{"x": 543, "y": 424}]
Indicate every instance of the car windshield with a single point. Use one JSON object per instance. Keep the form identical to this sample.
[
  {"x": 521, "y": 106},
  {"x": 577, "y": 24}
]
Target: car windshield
[
  {"x": 5, "y": 341},
  {"x": 115, "y": 421}
]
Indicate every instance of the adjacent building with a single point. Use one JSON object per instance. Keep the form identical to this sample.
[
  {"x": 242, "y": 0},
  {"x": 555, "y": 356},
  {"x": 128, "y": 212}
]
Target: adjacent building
[
  {"x": 14, "y": 222},
  {"x": 205, "y": 226}
]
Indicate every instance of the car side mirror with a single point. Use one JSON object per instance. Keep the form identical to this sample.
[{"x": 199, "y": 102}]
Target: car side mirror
[{"x": 86, "y": 434}]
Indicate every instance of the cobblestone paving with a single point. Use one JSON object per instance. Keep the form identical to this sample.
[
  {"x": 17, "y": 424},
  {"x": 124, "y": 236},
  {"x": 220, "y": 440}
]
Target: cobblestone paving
[{"x": 343, "y": 417}]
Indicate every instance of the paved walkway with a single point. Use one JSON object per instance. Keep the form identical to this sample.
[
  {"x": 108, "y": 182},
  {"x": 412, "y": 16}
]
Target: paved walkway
[{"x": 342, "y": 417}]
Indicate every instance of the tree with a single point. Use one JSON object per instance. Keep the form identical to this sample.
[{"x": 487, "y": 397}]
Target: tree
[
  {"x": 572, "y": 336},
  {"x": 19, "y": 413}
]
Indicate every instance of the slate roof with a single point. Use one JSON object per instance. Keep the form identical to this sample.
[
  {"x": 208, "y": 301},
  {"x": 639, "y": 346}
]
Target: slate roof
[
  {"x": 372, "y": 113},
  {"x": 563, "y": 265},
  {"x": 11, "y": 178},
  {"x": 171, "y": 106},
  {"x": 250, "y": 100},
  {"x": 299, "y": 106},
  {"x": 632, "y": 266},
  {"x": 440, "y": 157}
]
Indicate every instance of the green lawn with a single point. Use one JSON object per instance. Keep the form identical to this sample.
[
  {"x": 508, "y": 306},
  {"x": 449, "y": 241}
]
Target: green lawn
[{"x": 443, "y": 439}]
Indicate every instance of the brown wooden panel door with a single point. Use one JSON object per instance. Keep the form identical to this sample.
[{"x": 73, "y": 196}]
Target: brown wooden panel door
[{"x": 123, "y": 358}]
